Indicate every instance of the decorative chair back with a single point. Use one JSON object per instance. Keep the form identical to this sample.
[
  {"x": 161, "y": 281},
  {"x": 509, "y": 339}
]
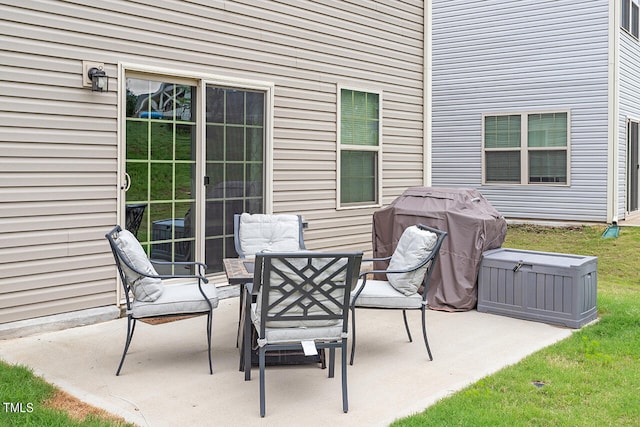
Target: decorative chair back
[
  {"x": 414, "y": 259},
  {"x": 136, "y": 271},
  {"x": 133, "y": 217},
  {"x": 304, "y": 290},
  {"x": 121, "y": 264}
]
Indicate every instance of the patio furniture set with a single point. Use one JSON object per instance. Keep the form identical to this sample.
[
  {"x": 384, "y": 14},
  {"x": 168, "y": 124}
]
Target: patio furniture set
[{"x": 292, "y": 299}]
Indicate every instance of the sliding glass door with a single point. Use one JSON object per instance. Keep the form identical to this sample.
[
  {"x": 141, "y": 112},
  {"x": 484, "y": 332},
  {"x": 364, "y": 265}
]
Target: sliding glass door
[{"x": 166, "y": 160}]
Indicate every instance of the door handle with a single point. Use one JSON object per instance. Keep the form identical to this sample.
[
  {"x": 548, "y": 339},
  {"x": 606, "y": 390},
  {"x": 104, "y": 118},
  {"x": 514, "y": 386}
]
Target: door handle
[{"x": 127, "y": 185}]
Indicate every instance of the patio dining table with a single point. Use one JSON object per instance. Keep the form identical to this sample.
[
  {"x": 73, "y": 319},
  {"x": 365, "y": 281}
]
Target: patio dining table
[{"x": 239, "y": 271}]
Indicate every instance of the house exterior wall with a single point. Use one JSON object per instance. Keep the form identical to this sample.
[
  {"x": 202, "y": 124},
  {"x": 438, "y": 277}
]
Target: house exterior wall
[
  {"x": 504, "y": 57},
  {"x": 59, "y": 141},
  {"x": 629, "y": 104}
]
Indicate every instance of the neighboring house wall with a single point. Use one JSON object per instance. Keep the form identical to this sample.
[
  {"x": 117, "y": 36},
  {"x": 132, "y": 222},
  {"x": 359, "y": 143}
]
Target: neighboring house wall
[
  {"x": 520, "y": 56},
  {"x": 629, "y": 77},
  {"x": 59, "y": 141}
]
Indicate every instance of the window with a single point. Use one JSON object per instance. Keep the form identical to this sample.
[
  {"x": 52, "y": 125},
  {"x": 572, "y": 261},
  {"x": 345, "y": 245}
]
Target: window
[
  {"x": 360, "y": 148},
  {"x": 635, "y": 11},
  {"x": 528, "y": 148},
  {"x": 631, "y": 17}
]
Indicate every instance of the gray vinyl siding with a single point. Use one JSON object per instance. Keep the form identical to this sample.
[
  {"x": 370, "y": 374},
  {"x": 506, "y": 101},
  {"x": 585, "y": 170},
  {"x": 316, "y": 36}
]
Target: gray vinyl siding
[
  {"x": 506, "y": 56},
  {"x": 629, "y": 104},
  {"x": 59, "y": 141}
]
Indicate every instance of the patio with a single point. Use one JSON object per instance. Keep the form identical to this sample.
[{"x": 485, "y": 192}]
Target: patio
[{"x": 165, "y": 379}]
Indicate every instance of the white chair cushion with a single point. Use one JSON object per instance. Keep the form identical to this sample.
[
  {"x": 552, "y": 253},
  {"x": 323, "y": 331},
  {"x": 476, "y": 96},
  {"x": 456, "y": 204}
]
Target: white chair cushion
[
  {"x": 273, "y": 233},
  {"x": 295, "y": 333},
  {"x": 143, "y": 288},
  {"x": 415, "y": 246},
  {"x": 284, "y": 335},
  {"x": 380, "y": 294},
  {"x": 177, "y": 299}
]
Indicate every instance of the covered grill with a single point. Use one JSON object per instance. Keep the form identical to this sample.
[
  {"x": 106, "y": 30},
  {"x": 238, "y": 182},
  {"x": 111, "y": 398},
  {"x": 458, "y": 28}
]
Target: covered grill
[{"x": 473, "y": 224}]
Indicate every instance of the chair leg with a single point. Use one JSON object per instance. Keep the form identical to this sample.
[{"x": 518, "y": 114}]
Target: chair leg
[
  {"x": 406, "y": 324},
  {"x": 247, "y": 343},
  {"x": 240, "y": 308},
  {"x": 345, "y": 399},
  {"x": 209, "y": 327},
  {"x": 353, "y": 334},
  {"x": 262, "y": 386},
  {"x": 332, "y": 361},
  {"x": 424, "y": 331},
  {"x": 131, "y": 327}
]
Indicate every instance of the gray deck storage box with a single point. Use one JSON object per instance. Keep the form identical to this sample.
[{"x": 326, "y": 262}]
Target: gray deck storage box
[{"x": 548, "y": 287}]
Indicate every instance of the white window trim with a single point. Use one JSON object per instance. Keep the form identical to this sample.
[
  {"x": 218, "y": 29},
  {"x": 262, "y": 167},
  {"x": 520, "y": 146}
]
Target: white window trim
[
  {"x": 339, "y": 147},
  {"x": 629, "y": 30},
  {"x": 524, "y": 149}
]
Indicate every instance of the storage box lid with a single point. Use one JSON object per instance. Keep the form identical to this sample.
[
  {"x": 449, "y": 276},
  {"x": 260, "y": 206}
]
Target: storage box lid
[{"x": 538, "y": 258}]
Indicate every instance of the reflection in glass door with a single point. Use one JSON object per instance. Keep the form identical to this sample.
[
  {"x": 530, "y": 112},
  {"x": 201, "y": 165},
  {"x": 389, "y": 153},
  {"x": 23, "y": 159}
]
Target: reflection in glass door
[
  {"x": 234, "y": 181},
  {"x": 161, "y": 167}
]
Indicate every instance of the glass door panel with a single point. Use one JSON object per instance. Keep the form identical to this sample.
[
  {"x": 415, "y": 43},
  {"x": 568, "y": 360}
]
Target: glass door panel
[
  {"x": 160, "y": 163},
  {"x": 234, "y": 149}
]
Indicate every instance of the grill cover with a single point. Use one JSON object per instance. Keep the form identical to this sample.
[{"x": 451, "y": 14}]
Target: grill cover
[{"x": 473, "y": 224}]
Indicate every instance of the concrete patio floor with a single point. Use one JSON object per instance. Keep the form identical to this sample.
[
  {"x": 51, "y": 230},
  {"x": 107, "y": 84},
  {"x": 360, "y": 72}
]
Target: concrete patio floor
[{"x": 165, "y": 379}]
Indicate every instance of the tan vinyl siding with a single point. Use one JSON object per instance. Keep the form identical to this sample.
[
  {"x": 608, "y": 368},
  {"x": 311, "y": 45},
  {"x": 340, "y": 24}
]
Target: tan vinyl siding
[
  {"x": 629, "y": 106},
  {"x": 59, "y": 140},
  {"x": 57, "y": 178}
]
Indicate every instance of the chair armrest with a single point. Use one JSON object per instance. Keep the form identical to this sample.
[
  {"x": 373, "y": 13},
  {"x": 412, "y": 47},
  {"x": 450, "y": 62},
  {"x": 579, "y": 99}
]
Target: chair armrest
[
  {"x": 199, "y": 276},
  {"x": 178, "y": 276},
  {"x": 366, "y": 273},
  {"x": 201, "y": 266},
  {"x": 407, "y": 270},
  {"x": 153, "y": 261},
  {"x": 376, "y": 259}
]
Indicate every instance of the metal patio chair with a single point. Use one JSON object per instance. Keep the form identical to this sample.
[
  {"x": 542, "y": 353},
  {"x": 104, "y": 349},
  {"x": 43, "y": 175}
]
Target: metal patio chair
[
  {"x": 147, "y": 297},
  {"x": 266, "y": 232},
  {"x": 302, "y": 302},
  {"x": 409, "y": 271}
]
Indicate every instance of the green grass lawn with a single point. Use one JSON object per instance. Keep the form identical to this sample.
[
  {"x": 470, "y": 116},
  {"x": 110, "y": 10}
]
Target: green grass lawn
[
  {"x": 589, "y": 379},
  {"x": 29, "y": 401}
]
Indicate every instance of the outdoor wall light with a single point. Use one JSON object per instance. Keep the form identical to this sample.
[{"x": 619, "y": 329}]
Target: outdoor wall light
[{"x": 99, "y": 79}]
